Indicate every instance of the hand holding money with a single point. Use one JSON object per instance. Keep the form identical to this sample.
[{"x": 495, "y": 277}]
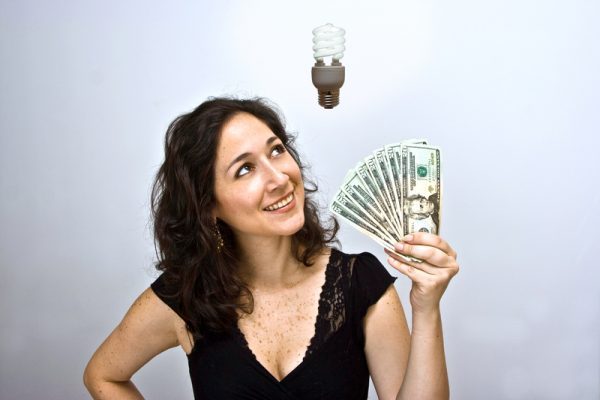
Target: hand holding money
[
  {"x": 393, "y": 192},
  {"x": 431, "y": 276}
]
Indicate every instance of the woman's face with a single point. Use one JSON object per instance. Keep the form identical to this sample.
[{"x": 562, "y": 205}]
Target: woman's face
[{"x": 258, "y": 185}]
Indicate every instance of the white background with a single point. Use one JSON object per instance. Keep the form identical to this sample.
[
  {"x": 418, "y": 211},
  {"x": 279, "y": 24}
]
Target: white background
[{"x": 509, "y": 89}]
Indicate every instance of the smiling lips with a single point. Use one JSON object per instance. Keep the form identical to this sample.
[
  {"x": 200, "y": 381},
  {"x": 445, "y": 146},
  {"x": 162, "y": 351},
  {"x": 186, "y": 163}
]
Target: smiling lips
[{"x": 281, "y": 203}]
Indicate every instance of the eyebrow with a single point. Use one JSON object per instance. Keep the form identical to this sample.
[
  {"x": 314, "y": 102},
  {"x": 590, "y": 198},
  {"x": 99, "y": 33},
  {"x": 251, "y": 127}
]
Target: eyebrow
[{"x": 244, "y": 155}]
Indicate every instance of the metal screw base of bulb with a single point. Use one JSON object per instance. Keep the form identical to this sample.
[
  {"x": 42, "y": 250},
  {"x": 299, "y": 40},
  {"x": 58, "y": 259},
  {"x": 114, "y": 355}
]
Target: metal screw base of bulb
[
  {"x": 329, "y": 99},
  {"x": 328, "y": 79}
]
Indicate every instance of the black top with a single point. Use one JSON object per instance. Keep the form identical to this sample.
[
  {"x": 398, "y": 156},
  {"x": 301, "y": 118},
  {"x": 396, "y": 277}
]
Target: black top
[{"x": 334, "y": 366}]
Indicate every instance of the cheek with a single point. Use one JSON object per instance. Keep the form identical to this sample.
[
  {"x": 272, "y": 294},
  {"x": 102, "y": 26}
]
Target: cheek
[
  {"x": 301, "y": 193},
  {"x": 238, "y": 199},
  {"x": 294, "y": 171}
]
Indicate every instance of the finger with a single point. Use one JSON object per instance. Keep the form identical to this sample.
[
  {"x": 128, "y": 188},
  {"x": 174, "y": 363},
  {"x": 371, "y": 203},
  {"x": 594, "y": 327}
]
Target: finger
[
  {"x": 401, "y": 257},
  {"x": 416, "y": 275},
  {"x": 423, "y": 266},
  {"x": 439, "y": 274},
  {"x": 429, "y": 254},
  {"x": 419, "y": 277},
  {"x": 430, "y": 239}
]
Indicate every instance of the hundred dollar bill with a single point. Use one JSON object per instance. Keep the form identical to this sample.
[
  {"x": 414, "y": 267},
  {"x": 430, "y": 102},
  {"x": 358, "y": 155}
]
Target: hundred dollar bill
[{"x": 421, "y": 188}]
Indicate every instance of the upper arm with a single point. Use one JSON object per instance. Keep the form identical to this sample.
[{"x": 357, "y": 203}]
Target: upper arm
[
  {"x": 149, "y": 328},
  {"x": 387, "y": 343}
]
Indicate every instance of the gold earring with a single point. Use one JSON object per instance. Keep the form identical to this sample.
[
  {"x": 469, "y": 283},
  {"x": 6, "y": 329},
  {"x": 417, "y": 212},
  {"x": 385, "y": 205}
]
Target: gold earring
[{"x": 218, "y": 238}]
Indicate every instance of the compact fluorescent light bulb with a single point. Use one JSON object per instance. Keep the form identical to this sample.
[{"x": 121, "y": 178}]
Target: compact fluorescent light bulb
[{"x": 328, "y": 40}]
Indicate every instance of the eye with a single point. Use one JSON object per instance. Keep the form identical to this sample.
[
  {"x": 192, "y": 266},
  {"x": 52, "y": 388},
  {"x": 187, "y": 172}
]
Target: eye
[
  {"x": 277, "y": 150},
  {"x": 243, "y": 170}
]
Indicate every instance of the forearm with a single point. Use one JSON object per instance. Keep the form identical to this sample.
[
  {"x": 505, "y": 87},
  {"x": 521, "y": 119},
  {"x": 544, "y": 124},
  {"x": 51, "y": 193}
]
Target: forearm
[
  {"x": 426, "y": 375},
  {"x": 113, "y": 390}
]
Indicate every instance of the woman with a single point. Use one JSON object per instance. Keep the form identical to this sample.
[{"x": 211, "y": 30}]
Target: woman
[{"x": 251, "y": 288}]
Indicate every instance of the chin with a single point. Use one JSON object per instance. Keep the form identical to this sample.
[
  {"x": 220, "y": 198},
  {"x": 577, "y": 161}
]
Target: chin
[{"x": 290, "y": 227}]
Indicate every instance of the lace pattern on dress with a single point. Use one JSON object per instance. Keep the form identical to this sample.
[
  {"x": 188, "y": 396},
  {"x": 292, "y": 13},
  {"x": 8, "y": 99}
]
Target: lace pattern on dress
[
  {"x": 331, "y": 313},
  {"x": 332, "y": 303}
]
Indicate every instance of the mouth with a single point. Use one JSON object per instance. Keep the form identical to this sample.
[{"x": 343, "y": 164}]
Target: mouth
[{"x": 280, "y": 203}]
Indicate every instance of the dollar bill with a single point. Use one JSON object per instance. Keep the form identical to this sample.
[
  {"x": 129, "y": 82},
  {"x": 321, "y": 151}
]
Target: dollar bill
[
  {"x": 354, "y": 187},
  {"x": 370, "y": 166},
  {"x": 358, "y": 222},
  {"x": 383, "y": 167},
  {"x": 394, "y": 156},
  {"x": 345, "y": 201},
  {"x": 376, "y": 219},
  {"x": 367, "y": 229},
  {"x": 393, "y": 192},
  {"x": 421, "y": 169},
  {"x": 371, "y": 187}
]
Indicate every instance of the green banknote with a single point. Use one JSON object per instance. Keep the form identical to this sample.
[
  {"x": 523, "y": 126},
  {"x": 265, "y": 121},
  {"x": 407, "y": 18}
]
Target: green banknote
[{"x": 394, "y": 191}]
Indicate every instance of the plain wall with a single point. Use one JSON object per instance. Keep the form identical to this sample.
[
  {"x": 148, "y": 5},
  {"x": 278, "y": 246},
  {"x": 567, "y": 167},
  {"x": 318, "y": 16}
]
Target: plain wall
[{"x": 508, "y": 89}]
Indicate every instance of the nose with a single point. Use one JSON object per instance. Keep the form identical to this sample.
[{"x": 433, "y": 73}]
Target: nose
[{"x": 276, "y": 178}]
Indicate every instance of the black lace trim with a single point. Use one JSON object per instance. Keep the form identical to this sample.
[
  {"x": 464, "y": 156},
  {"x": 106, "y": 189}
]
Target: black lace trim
[{"x": 331, "y": 314}]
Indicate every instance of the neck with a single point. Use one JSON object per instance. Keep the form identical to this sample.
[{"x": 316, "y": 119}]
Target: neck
[{"x": 268, "y": 262}]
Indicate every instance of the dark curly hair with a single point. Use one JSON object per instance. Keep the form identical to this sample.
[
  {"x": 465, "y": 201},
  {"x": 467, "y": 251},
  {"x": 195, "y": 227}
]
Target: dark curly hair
[{"x": 205, "y": 282}]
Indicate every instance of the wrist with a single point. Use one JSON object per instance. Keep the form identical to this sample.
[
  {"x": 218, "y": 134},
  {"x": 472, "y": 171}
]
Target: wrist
[
  {"x": 427, "y": 311},
  {"x": 427, "y": 322}
]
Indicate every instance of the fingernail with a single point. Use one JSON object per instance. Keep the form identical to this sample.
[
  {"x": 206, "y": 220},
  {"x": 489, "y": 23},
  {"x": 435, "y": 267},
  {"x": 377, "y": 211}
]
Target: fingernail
[
  {"x": 399, "y": 246},
  {"x": 408, "y": 238}
]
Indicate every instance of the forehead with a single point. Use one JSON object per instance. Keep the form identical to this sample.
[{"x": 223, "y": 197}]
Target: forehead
[{"x": 242, "y": 133}]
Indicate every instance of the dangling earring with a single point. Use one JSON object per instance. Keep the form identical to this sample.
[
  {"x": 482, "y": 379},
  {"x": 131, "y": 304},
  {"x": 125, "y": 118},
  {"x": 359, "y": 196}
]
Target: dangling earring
[{"x": 218, "y": 238}]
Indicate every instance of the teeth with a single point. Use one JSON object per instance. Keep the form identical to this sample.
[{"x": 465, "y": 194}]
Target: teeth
[{"x": 281, "y": 203}]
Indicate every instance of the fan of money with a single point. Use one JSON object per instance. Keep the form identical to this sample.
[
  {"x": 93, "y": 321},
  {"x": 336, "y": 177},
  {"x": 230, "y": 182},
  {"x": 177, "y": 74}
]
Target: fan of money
[{"x": 393, "y": 192}]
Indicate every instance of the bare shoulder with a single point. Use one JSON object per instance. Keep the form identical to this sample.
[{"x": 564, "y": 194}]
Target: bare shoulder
[
  {"x": 148, "y": 328},
  {"x": 387, "y": 343},
  {"x": 151, "y": 312},
  {"x": 388, "y": 309},
  {"x": 149, "y": 305},
  {"x": 149, "y": 322}
]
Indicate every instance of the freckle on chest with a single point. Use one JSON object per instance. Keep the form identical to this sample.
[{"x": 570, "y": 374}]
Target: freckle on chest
[{"x": 280, "y": 328}]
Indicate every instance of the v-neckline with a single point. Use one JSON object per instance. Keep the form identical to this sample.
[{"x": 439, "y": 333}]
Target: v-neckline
[{"x": 246, "y": 347}]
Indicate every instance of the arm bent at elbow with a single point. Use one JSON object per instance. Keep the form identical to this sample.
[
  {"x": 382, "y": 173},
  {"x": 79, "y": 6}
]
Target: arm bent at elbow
[
  {"x": 149, "y": 328},
  {"x": 404, "y": 366}
]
